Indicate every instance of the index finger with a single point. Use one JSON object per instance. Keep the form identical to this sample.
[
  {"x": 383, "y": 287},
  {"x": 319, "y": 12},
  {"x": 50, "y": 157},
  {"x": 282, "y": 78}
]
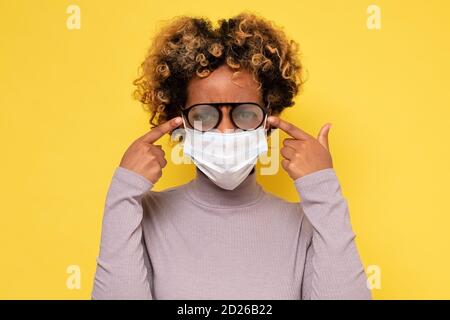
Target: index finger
[
  {"x": 289, "y": 128},
  {"x": 161, "y": 130}
]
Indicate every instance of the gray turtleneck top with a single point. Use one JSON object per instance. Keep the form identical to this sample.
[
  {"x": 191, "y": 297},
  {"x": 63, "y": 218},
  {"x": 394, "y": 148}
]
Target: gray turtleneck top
[{"x": 198, "y": 241}]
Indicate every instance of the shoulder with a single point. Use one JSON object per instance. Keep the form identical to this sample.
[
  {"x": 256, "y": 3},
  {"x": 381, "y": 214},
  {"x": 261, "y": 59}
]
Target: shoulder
[
  {"x": 284, "y": 205},
  {"x": 164, "y": 197},
  {"x": 281, "y": 208},
  {"x": 288, "y": 217}
]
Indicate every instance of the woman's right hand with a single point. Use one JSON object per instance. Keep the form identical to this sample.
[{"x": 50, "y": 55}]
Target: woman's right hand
[{"x": 145, "y": 158}]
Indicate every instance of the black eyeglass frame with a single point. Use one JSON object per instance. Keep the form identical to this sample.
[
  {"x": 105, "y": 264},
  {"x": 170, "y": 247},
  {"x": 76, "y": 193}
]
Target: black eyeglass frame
[{"x": 233, "y": 105}]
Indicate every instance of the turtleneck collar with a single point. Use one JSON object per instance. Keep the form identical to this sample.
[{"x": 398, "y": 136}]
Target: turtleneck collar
[{"x": 203, "y": 190}]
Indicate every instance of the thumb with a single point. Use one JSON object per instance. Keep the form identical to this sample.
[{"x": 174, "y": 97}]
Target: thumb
[{"x": 323, "y": 136}]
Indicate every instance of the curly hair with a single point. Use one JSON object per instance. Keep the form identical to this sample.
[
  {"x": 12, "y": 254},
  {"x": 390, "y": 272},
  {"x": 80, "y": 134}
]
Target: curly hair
[{"x": 190, "y": 46}]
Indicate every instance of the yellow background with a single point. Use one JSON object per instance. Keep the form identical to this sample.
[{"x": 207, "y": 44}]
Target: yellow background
[{"x": 67, "y": 116}]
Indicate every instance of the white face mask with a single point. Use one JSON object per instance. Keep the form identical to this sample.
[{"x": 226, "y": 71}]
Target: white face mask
[{"x": 225, "y": 158}]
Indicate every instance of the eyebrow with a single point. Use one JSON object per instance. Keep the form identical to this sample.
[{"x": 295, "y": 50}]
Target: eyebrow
[{"x": 225, "y": 103}]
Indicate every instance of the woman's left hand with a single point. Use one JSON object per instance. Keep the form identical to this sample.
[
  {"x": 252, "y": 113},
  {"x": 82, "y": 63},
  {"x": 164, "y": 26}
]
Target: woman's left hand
[{"x": 303, "y": 154}]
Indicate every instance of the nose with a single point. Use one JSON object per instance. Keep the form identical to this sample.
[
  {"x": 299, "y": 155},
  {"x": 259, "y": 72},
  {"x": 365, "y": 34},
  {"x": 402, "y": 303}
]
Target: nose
[{"x": 225, "y": 124}]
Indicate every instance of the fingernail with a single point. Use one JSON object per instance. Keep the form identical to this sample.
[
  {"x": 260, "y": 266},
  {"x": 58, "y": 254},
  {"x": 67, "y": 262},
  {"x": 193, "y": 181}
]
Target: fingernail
[{"x": 177, "y": 120}]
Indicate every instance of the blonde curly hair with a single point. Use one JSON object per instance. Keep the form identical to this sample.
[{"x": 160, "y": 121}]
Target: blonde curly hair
[{"x": 189, "y": 46}]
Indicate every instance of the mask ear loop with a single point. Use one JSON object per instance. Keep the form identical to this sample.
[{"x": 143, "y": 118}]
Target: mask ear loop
[
  {"x": 184, "y": 127},
  {"x": 265, "y": 119},
  {"x": 265, "y": 122}
]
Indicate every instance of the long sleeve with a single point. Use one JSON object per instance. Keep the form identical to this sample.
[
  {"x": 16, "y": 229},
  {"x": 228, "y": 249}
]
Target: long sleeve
[
  {"x": 121, "y": 270},
  {"x": 333, "y": 267}
]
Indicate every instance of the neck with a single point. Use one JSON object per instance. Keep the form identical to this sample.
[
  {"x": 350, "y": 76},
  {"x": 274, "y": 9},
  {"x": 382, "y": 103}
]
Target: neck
[{"x": 203, "y": 190}]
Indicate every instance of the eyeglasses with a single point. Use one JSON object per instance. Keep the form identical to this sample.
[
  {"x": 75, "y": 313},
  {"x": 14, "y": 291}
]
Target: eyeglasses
[{"x": 207, "y": 116}]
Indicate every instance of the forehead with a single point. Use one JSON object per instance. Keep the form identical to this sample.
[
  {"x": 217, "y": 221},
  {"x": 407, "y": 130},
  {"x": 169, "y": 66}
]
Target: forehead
[{"x": 222, "y": 86}]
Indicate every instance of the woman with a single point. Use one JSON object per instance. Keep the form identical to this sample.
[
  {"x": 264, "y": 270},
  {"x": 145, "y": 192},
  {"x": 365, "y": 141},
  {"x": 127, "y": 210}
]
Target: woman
[{"x": 221, "y": 236}]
